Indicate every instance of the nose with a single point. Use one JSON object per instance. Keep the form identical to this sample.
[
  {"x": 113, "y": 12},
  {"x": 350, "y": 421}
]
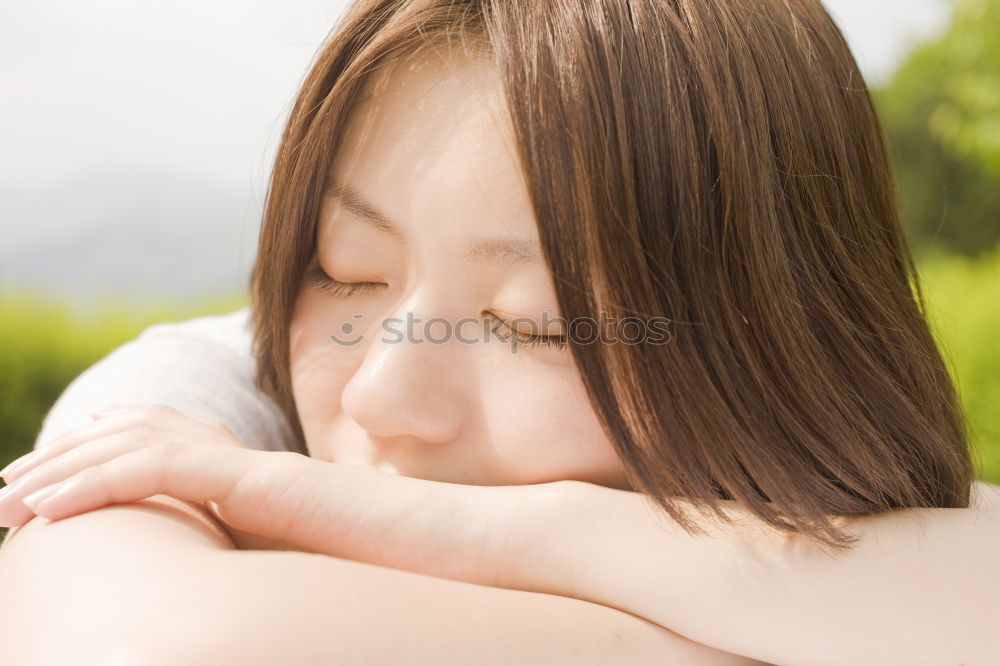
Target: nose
[{"x": 408, "y": 384}]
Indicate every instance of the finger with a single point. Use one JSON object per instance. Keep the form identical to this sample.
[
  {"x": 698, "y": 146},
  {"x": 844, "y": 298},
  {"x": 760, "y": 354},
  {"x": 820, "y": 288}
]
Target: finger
[
  {"x": 59, "y": 445},
  {"x": 14, "y": 512},
  {"x": 182, "y": 470},
  {"x": 168, "y": 418},
  {"x": 260, "y": 493},
  {"x": 155, "y": 415}
]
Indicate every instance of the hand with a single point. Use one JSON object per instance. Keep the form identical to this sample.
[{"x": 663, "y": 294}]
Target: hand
[
  {"x": 156, "y": 429},
  {"x": 447, "y": 530}
]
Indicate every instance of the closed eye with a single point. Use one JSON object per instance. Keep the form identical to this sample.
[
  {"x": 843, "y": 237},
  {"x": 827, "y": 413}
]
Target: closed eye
[
  {"x": 322, "y": 281},
  {"x": 504, "y": 331}
]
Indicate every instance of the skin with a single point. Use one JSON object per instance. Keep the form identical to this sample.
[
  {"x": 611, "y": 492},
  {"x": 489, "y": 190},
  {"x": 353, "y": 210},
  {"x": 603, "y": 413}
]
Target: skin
[
  {"x": 433, "y": 150},
  {"x": 460, "y": 432},
  {"x": 591, "y": 543}
]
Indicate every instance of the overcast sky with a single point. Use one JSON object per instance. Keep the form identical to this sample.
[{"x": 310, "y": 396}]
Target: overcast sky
[{"x": 177, "y": 92}]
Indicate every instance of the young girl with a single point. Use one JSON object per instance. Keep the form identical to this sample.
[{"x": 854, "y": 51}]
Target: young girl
[{"x": 591, "y": 323}]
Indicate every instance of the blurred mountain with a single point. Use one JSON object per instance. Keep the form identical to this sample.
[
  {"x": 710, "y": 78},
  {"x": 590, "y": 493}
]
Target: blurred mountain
[{"x": 130, "y": 234}]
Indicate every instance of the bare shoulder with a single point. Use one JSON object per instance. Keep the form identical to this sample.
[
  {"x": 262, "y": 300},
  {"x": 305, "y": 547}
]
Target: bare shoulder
[
  {"x": 985, "y": 495},
  {"x": 93, "y": 578}
]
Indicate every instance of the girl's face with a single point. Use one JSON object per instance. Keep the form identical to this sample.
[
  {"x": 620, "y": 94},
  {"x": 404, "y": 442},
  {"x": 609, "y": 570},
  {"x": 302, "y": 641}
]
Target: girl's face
[{"x": 429, "y": 226}]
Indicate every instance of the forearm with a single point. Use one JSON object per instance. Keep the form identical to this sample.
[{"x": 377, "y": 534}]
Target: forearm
[
  {"x": 920, "y": 587},
  {"x": 289, "y": 607},
  {"x": 175, "y": 594}
]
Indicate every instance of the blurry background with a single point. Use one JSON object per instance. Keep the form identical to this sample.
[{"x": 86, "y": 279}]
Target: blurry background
[{"x": 136, "y": 141}]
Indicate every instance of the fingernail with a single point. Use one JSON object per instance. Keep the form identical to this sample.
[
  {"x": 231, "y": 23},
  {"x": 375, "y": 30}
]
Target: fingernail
[
  {"x": 18, "y": 463},
  {"x": 36, "y": 498}
]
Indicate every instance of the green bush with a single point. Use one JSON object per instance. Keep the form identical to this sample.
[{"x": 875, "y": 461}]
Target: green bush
[
  {"x": 941, "y": 112},
  {"x": 964, "y": 308},
  {"x": 44, "y": 345}
]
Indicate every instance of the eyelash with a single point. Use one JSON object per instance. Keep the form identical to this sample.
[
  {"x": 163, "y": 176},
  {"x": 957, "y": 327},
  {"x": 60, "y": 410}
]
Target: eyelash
[
  {"x": 501, "y": 328},
  {"x": 324, "y": 282},
  {"x": 505, "y": 333}
]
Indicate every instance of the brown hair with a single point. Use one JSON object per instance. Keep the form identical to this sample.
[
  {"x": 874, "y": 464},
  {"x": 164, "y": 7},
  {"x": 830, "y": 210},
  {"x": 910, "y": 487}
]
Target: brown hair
[{"x": 718, "y": 162}]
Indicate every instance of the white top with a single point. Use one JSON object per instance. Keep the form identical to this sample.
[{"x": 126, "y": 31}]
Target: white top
[{"x": 202, "y": 367}]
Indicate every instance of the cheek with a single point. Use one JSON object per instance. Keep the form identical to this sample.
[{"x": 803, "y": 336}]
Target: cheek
[
  {"x": 317, "y": 370},
  {"x": 545, "y": 429}
]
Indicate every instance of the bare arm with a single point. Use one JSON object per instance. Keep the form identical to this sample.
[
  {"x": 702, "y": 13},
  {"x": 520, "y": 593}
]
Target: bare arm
[
  {"x": 157, "y": 581},
  {"x": 160, "y": 576},
  {"x": 921, "y": 587}
]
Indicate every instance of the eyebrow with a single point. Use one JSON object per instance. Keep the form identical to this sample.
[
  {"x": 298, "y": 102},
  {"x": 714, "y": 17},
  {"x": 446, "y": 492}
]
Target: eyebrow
[{"x": 490, "y": 250}]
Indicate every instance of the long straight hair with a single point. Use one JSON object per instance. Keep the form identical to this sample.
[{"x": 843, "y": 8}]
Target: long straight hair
[{"x": 716, "y": 162}]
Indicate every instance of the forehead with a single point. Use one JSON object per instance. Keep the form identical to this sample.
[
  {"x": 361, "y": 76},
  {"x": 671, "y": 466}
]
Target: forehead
[
  {"x": 428, "y": 85},
  {"x": 432, "y": 130}
]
